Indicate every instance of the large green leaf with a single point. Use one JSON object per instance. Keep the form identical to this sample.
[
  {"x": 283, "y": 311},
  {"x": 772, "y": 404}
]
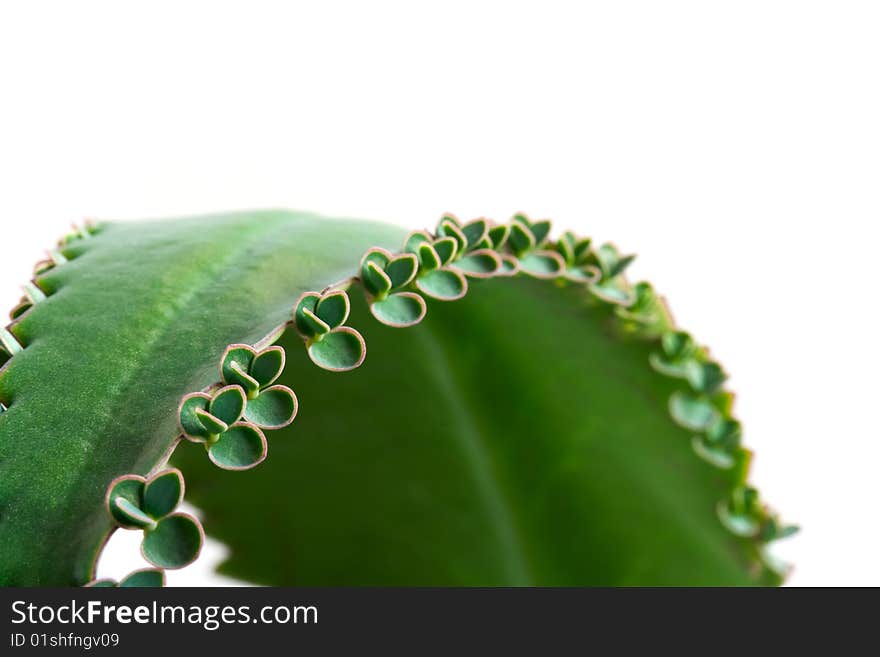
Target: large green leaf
[
  {"x": 512, "y": 438},
  {"x": 517, "y": 436},
  {"x": 138, "y": 317}
]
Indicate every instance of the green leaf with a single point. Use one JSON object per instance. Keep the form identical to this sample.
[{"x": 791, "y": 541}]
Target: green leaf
[
  {"x": 267, "y": 366},
  {"x": 497, "y": 442},
  {"x": 520, "y": 238},
  {"x": 704, "y": 377},
  {"x": 612, "y": 292},
  {"x": 402, "y": 269},
  {"x": 148, "y": 577},
  {"x": 400, "y": 310},
  {"x": 273, "y": 408},
  {"x": 33, "y": 292},
  {"x": 542, "y": 264},
  {"x": 739, "y": 514},
  {"x": 248, "y": 383},
  {"x": 565, "y": 246},
  {"x": 582, "y": 274},
  {"x": 725, "y": 432},
  {"x": 190, "y": 418},
  {"x": 414, "y": 241},
  {"x": 540, "y": 230},
  {"x": 445, "y": 248},
  {"x": 509, "y": 265},
  {"x": 621, "y": 265},
  {"x": 129, "y": 488},
  {"x": 695, "y": 413},
  {"x": 429, "y": 259},
  {"x": 376, "y": 280},
  {"x": 475, "y": 232},
  {"x": 341, "y": 350},
  {"x": 717, "y": 455},
  {"x": 235, "y": 365},
  {"x": 582, "y": 249},
  {"x": 677, "y": 344},
  {"x": 481, "y": 263},
  {"x": 212, "y": 425},
  {"x": 678, "y": 349},
  {"x": 174, "y": 543},
  {"x": 147, "y": 310},
  {"x": 611, "y": 262},
  {"x": 304, "y": 314},
  {"x": 314, "y": 326},
  {"x": 447, "y": 228},
  {"x": 241, "y": 447},
  {"x": 372, "y": 269},
  {"x": 23, "y": 306},
  {"x": 333, "y": 308},
  {"x": 163, "y": 493},
  {"x": 498, "y": 235},
  {"x": 451, "y": 218},
  {"x": 449, "y": 481},
  {"x": 9, "y": 342},
  {"x": 379, "y": 257},
  {"x": 443, "y": 284},
  {"x": 131, "y": 515},
  {"x": 227, "y": 404}
]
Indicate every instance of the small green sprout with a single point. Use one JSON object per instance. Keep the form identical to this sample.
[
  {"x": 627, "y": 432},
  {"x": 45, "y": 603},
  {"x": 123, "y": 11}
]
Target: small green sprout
[
  {"x": 385, "y": 278},
  {"x": 268, "y": 406},
  {"x": 319, "y": 318},
  {"x": 437, "y": 278},
  {"x": 215, "y": 420},
  {"x": 171, "y": 540}
]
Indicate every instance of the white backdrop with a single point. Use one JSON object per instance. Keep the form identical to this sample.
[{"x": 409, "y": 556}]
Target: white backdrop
[{"x": 734, "y": 146}]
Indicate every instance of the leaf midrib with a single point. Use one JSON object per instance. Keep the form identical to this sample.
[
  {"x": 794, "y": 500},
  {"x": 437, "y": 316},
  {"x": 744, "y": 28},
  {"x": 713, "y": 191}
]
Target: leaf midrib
[{"x": 480, "y": 466}]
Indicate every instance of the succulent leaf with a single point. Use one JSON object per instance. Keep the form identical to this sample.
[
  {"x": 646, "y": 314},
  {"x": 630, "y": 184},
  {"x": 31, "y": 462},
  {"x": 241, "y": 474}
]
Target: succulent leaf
[
  {"x": 520, "y": 238},
  {"x": 314, "y": 326},
  {"x": 429, "y": 259},
  {"x": 332, "y": 309},
  {"x": 227, "y": 404},
  {"x": 402, "y": 270},
  {"x": 275, "y": 407},
  {"x": 447, "y": 228},
  {"x": 212, "y": 425},
  {"x": 541, "y": 264},
  {"x": 341, "y": 350},
  {"x": 376, "y": 280},
  {"x": 174, "y": 543},
  {"x": 163, "y": 493},
  {"x": 241, "y": 447},
  {"x": 583, "y": 460},
  {"x": 399, "y": 310},
  {"x": 497, "y": 235},
  {"x": 697, "y": 413},
  {"x": 475, "y": 473},
  {"x": 267, "y": 366},
  {"x": 145, "y": 578},
  {"x": 129, "y": 489},
  {"x": 130, "y": 515},
  {"x": 480, "y": 263},
  {"x": 442, "y": 284},
  {"x": 540, "y": 231},
  {"x": 474, "y": 233},
  {"x": 414, "y": 241}
]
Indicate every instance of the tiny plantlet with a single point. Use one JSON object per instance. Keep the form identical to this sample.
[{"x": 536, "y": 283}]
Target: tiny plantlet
[{"x": 481, "y": 404}]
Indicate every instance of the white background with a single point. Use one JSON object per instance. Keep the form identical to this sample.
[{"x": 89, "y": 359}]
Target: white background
[{"x": 734, "y": 145}]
